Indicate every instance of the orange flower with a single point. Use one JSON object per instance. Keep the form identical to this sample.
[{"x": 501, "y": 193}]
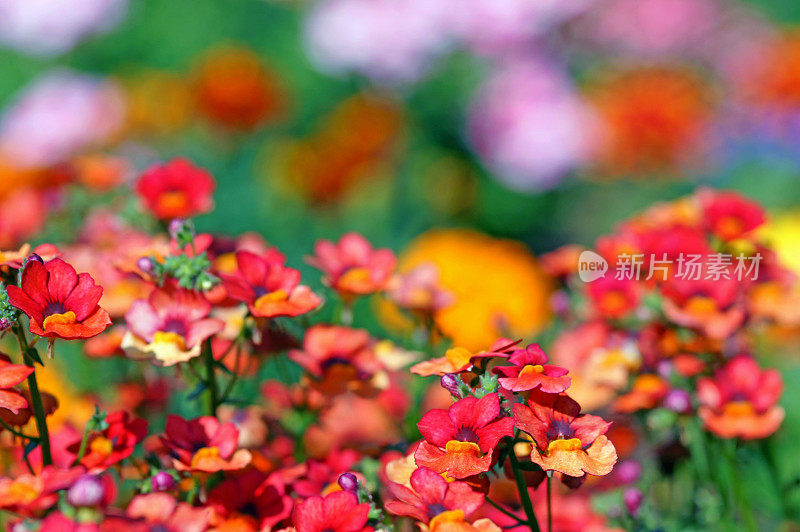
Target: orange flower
[{"x": 648, "y": 391}]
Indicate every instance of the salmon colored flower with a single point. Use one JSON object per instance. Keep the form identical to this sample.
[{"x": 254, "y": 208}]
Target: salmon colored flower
[
  {"x": 564, "y": 439},
  {"x": 114, "y": 444},
  {"x": 708, "y": 305},
  {"x": 10, "y": 376},
  {"x": 530, "y": 370},
  {"x": 59, "y": 302},
  {"x": 170, "y": 326},
  {"x": 204, "y": 444},
  {"x": 729, "y": 215},
  {"x": 460, "y": 441},
  {"x": 741, "y": 400},
  {"x": 455, "y": 360},
  {"x": 177, "y": 189},
  {"x": 269, "y": 288},
  {"x": 16, "y": 258},
  {"x": 352, "y": 267},
  {"x": 430, "y": 496},
  {"x": 647, "y": 392},
  {"x": 336, "y": 512},
  {"x": 29, "y": 494},
  {"x": 613, "y": 298},
  {"x": 252, "y": 500},
  {"x": 159, "y": 511}
]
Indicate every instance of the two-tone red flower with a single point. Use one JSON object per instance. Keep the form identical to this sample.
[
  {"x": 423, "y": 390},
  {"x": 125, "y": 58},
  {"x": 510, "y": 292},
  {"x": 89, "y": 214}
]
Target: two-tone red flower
[
  {"x": 336, "y": 512},
  {"x": 204, "y": 444},
  {"x": 251, "y": 500},
  {"x": 352, "y": 267},
  {"x": 460, "y": 441},
  {"x": 565, "y": 440},
  {"x": 113, "y": 444},
  {"x": 10, "y": 376},
  {"x": 177, "y": 189},
  {"x": 59, "y": 302},
  {"x": 711, "y": 306},
  {"x": 268, "y": 287},
  {"x": 530, "y": 370},
  {"x": 741, "y": 400}
]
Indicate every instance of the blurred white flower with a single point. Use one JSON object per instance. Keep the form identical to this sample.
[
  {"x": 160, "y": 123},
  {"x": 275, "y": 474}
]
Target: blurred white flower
[
  {"x": 58, "y": 115},
  {"x": 45, "y": 27},
  {"x": 530, "y": 126}
]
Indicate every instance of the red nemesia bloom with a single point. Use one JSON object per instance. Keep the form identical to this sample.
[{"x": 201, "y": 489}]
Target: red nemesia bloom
[
  {"x": 16, "y": 258},
  {"x": 177, "y": 189},
  {"x": 458, "y": 359},
  {"x": 59, "y": 302},
  {"x": 613, "y": 298},
  {"x": 530, "y": 370},
  {"x": 269, "y": 288},
  {"x": 204, "y": 444},
  {"x": 741, "y": 400},
  {"x": 336, "y": 512},
  {"x": 564, "y": 439},
  {"x": 352, "y": 267},
  {"x": 10, "y": 376},
  {"x": 711, "y": 306},
  {"x": 159, "y": 511},
  {"x": 170, "y": 325},
  {"x": 647, "y": 392},
  {"x": 114, "y": 443},
  {"x": 729, "y": 215},
  {"x": 28, "y": 494},
  {"x": 460, "y": 441},
  {"x": 253, "y": 498},
  {"x": 431, "y": 495}
]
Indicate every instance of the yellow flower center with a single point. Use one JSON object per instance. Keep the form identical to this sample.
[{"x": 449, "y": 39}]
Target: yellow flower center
[
  {"x": 173, "y": 201},
  {"x": 271, "y": 297},
  {"x": 614, "y": 302},
  {"x": 22, "y": 492},
  {"x": 458, "y": 357},
  {"x": 164, "y": 337},
  {"x": 455, "y": 446},
  {"x": 355, "y": 276},
  {"x": 739, "y": 409},
  {"x": 59, "y": 319},
  {"x": 729, "y": 227},
  {"x": 101, "y": 445},
  {"x": 203, "y": 454},
  {"x": 701, "y": 306},
  {"x": 531, "y": 369},
  {"x": 648, "y": 383},
  {"x": 445, "y": 518},
  {"x": 572, "y": 444}
]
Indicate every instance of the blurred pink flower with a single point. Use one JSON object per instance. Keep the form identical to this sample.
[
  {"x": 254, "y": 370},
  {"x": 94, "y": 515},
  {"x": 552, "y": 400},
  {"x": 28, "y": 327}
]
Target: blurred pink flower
[
  {"x": 530, "y": 125},
  {"x": 388, "y": 40},
  {"x": 45, "y": 27},
  {"x": 58, "y": 115}
]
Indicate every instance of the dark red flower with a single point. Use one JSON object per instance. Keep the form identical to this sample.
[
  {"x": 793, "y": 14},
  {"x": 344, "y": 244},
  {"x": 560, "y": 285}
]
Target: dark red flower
[
  {"x": 204, "y": 444},
  {"x": 460, "y": 441},
  {"x": 177, "y": 189},
  {"x": 530, "y": 370},
  {"x": 336, "y": 512},
  {"x": 59, "y": 302},
  {"x": 115, "y": 443},
  {"x": 430, "y": 495},
  {"x": 251, "y": 497},
  {"x": 269, "y": 288}
]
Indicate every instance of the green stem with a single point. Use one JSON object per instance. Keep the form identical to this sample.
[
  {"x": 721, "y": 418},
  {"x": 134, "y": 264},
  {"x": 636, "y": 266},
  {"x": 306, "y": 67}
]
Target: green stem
[
  {"x": 549, "y": 501},
  {"x": 211, "y": 379},
  {"x": 36, "y": 399},
  {"x": 15, "y": 432},
  {"x": 522, "y": 487},
  {"x": 744, "y": 502},
  {"x": 84, "y": 443},
  {"x": 506, "y": 512}
]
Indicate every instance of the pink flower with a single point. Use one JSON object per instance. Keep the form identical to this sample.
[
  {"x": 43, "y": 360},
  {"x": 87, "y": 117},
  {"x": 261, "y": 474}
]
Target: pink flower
[{"x": 530, "y": 370}]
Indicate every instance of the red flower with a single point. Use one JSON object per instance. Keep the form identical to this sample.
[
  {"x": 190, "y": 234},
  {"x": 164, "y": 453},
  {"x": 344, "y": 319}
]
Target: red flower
[
  {"x": 352, "y": 267},
  {"x": 711, "y": 306},
  {"x": 564, "y": 439},
  {"x": 177, "y": 189},
  {"x": 30, "y": 494},
  {"x": 269, "y": 288},
  {"x": 113, "y": 444},
  {"x": 729, "y": 215},
  {"x": 460, "y": 441},
  {"x": 170, "y": 325},
  {"x": 741, "y": 400},
  {"x": 530, "y": 370},
  {"x": 252, "y": 497},
  {"x": 59, "y": 302},
  {"x": 11, "y": 375},
  {"x": 613, "y": 298},
  {"x": 337, "y": 512},
  {"x": 204, "y": 444},
  {"x": 159, "y": 511},
  {"x": 431, "y": 495}
]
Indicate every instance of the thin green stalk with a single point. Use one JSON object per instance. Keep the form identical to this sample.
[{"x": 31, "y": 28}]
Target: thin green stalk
[
  {"x": 744, "y": 503},
  {"x": 549, "y": 501},
  {"x": 84, "y": 443},
  {"x": 524, "y": 496},
  {"x": 36, "y": 399},
  {"x": 211, "y": 379},
  {"x": 506, "y": 512},
  {"x": 15, "y": 432}
]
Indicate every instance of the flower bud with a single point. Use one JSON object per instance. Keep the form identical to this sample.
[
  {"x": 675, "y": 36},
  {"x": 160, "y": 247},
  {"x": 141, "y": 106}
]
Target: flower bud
[
  {"x": 633, "y": 500},
  {"x": 88, "y": 490},
  {"x": 162, "y": 481},
  {"x": 678, "y": 401},
  {"x": 450, "y": 383},
  {"x": 145, "y": 264},
  {"x": 348, "y": 482},
  {"x": 36, "y": 257},
  {"x": 628, "y": 471},
  {"x": 5, "y": 323},
  {"x": 175, "y": 227}
]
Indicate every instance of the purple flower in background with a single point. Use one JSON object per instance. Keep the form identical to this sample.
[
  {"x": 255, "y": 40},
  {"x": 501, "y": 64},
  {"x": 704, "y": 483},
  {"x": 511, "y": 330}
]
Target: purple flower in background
[
  {"x": 46, "y": 27},
  {"x": 58, "y": 115},
  {"x": 530, "y": 125}
]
